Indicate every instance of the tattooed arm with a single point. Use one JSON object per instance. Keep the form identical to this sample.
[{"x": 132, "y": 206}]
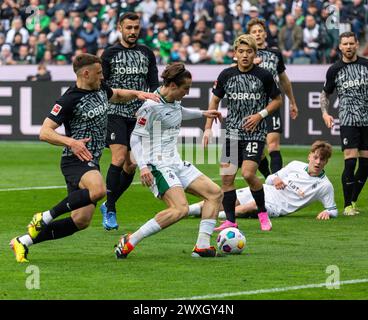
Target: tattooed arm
[{"x": 325, "y": 102}]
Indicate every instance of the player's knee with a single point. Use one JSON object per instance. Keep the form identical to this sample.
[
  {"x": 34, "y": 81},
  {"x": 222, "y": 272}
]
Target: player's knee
[
  {"x": 273, "y": 146},
  {"x": 248, "y": 175},
  {"x": 130, "y": 168},
  {"x": 118, "y": 161},
  {"x": 82, "y": 222},
  {"x": 181, "y": 211},
  {"x": 97, "y": 193},
  {"x": 217, "y": 195}
]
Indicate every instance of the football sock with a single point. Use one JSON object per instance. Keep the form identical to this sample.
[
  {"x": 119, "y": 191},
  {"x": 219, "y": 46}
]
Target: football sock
[
  {"x": 126, "y": 180},
  {"x": 47, "y": 217},
  {"x": 149, "y": 228},
  {"x": 56, "y": 230},
  {"x": 264, "y": 167},
  {"x": 229, "y": 204},
  {"x": 259, "y": 198},
  {"x": 195, "y": 209},
  {"x": 26, "y": 240},
  {"x": 73, "y": 201},
  {"x": 360, "y": 178},
  {"x": 347, "y": 180},
  {"x": 222, "y": 215},
  {"x": 112, "y": 186},
  {"x": 205, "y": 231},
  {"x": 276, "y": 161}
]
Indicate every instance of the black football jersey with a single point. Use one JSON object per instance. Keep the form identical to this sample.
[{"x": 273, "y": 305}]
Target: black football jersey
[
  {"x": 129, "y": 68},
  {"x": 247, "y": 93},
  {"x": 84, "y": 115},
  {"x": 351, "y": 83}
]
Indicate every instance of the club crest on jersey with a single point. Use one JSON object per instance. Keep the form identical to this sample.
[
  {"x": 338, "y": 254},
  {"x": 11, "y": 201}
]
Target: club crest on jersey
[
  {"x": 56, "y": 109},
  {"x": 142, "y": 121}
]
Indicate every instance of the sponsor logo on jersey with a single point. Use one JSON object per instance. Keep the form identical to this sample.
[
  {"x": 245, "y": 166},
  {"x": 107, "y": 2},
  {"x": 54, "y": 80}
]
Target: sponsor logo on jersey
[
  {"x": 141, "y": 121},
  {"x": 131, "y": 70},
  {"x": 355, "y": 83},
  {"x": 100, "y": 110},
  {"x": 244, "y": 96},
  {"x": 56, "y": 109}
]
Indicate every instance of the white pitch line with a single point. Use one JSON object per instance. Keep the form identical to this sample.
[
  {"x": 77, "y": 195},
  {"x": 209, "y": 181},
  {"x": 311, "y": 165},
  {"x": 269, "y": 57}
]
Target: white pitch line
[
  {"x": 272, "y": 290},
  {"x": 63, "y": 187}
]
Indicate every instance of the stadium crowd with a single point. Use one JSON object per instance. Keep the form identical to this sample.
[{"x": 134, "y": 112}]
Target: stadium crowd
[{"x": 195, "y": 32}]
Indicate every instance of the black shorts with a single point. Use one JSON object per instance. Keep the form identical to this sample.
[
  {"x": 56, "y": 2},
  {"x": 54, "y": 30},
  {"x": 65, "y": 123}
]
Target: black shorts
[
  {"x": 274, "y": 122},
  {"x": 354, "y": 137},
  {"x": 236, "y": 151},
  {"x": 119, "y": 130},
  {"x": 73, "y": 169}
]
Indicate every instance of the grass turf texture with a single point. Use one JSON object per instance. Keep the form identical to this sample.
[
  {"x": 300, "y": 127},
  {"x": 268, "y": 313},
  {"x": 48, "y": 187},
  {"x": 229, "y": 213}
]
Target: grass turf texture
[{"x": 296, "y": 252}]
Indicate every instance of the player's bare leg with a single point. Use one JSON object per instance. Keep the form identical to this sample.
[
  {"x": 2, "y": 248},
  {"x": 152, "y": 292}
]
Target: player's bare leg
[{"x": 177, "y": 209}]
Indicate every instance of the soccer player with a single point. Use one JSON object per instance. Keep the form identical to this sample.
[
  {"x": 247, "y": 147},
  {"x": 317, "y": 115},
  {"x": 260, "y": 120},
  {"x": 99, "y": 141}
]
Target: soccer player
[
  {"x": 271, "y": 59},
  {"x": 349, "y": 76},
  {"x": 154, "y": 146},
  {"x": 83, "y": 111},
  {"x": 131, "y": 66},
  {"x": 292, "y": 188},
  {"x": 252, "y": 95}
]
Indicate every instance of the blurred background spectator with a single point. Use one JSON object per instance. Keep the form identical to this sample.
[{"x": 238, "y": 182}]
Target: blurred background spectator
[
  {"x": 193, "y": 31},
  {"x": 42, "y": 74}
]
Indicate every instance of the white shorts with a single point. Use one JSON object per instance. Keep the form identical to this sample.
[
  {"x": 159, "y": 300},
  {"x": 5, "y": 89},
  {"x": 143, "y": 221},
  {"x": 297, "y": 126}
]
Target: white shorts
[
  {"x": 244, "y": 196},
  {"x": 166, "y": 177}
]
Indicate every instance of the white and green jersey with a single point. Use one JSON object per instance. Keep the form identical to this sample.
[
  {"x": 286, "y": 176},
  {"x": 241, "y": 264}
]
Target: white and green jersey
[
  {"x": 158, "y": 125},
  {"x": 301, "y": 190}
]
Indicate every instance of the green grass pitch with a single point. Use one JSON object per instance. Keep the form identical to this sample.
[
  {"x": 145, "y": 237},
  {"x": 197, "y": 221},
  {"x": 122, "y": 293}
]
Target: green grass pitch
[{"x": 295, "y": 253}]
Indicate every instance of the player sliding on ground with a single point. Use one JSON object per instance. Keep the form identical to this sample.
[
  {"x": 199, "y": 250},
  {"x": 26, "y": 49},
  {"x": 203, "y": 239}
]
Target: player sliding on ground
[
  {"x": 83, "y": 111},
  {"x": 292, "y": 188},
  {"x": 154, "y": 146}
]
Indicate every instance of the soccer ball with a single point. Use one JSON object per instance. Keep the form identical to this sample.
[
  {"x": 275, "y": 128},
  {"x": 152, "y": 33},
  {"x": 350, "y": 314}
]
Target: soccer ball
[{"x": 231, "y": 240}]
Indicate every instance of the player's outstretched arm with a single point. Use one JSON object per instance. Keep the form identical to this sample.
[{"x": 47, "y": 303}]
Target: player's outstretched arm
[
  {"x": 207, "y": 135},
  {"x": 124, "y": 95},
  {"x": 327, "y": 214},
  {"x": 78, "y": 147},
  {"x": 325, "y": 102},
  {"x": 286, "y": 86}
]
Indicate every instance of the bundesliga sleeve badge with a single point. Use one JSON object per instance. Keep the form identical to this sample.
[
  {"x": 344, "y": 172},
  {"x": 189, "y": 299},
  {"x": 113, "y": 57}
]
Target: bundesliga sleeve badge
[
  {"x": 56, "y": 109},
  {"x": 141, "y": 121}
]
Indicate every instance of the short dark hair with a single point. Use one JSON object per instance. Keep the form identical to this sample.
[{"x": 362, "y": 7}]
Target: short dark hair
[
  {"x": 348, "y": 34},
  {"x": 175, "y": 72},
  {"x": 128, "y": 16},
  {"x": 83, "y": 60}
]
